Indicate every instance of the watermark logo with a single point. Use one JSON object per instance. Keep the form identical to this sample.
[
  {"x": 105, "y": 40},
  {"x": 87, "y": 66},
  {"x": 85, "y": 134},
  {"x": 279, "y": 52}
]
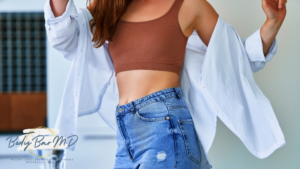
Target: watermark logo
[{"x": 41, "y": 138}]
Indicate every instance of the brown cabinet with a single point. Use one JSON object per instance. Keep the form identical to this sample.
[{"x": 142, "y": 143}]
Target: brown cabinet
[{"x": 19, "y": 111}]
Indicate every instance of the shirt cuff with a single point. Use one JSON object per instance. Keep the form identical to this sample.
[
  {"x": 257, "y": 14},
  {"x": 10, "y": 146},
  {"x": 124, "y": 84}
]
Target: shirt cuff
[
  {"x": 50, "y": 19},
  {"x": 254, "y": 48}
]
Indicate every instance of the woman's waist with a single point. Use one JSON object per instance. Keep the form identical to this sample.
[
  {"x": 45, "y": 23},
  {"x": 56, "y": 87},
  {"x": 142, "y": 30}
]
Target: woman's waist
[{"x": 135, "y": 84}]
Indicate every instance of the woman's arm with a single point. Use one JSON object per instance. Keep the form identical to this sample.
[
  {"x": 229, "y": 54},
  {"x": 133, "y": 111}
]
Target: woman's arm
[
  {"x": 61, "y": 22},
  {"x": 276, "y": 12},
  {"x": 261, "y": 46},
  {"x": 205, "y": 18},
  {"x": 254, "y": 49},
  {"x": 58, "y": 7}
]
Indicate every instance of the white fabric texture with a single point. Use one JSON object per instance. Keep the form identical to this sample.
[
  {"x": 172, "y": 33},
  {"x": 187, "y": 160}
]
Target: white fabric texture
[{"x": 216, "y": 81}]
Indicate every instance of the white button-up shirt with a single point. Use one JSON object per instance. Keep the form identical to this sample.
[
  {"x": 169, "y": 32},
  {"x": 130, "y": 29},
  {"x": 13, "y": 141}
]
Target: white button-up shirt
[{"x": 216, "y": 81}]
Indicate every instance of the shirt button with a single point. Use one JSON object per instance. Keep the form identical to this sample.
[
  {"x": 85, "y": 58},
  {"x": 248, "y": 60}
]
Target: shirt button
[
  {"x": 167, "y": 118},
  {"x": 120, "y": 109}
]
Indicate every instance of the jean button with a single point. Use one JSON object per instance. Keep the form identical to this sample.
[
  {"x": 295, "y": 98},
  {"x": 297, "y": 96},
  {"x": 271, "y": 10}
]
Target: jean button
[
  {"x": 120, "y": 109},
  {"x": 167, "y": 118}
]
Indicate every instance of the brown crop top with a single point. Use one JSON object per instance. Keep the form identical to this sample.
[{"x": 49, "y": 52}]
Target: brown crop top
[{"x": 157, "y": 44}]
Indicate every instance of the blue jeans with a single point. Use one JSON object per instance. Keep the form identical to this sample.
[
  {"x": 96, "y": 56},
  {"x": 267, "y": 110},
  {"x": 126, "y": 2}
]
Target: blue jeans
[{"x": 157, "y": 131}]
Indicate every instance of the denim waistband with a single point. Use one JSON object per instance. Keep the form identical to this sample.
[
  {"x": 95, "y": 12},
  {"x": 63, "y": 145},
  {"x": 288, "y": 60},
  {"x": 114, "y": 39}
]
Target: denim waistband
[{"x": 156, "y": 96}]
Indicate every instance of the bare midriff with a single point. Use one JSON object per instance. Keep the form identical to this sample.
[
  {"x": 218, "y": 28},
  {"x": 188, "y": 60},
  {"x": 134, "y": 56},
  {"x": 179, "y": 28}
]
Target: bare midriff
[{"x": 135, "y": 84}]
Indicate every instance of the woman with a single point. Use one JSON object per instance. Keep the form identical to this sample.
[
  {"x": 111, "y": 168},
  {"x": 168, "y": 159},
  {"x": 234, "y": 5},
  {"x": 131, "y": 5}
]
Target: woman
[{"x": 151, "y": 114}]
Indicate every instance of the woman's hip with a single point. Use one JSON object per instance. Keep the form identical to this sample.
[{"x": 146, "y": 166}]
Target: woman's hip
[
  {"x": 158, "y": 112},
  {"x": 160, "y": 127}
]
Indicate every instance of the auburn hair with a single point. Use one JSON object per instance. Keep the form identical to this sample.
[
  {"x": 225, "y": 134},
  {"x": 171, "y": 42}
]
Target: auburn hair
[{"x": 105, "y": 14}]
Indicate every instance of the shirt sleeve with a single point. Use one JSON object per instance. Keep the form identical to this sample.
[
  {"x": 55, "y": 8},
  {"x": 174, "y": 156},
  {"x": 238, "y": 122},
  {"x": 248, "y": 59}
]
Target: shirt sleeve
[
  {"x": 62, "y": 31},
  {"x": 254, "y": 48}
]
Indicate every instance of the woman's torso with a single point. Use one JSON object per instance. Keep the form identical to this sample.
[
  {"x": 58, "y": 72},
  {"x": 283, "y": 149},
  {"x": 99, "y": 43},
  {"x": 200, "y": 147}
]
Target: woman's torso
[{"x": 137, "y": 83}]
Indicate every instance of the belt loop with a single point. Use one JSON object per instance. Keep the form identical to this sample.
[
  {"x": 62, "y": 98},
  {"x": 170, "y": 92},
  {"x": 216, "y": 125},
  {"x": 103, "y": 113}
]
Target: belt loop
[
  {"x": 132, "y": 107},
  {"x": 177, "y": 92}
]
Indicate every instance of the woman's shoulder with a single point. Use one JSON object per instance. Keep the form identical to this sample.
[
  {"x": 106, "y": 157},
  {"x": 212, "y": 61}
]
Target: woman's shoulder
[{"x": 90, "y": 8}]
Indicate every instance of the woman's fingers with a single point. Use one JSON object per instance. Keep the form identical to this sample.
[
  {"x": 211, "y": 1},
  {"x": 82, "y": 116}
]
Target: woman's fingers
[
  {"x": 264, "y": 2},
  {"x": 281, "y": 4},
  {"x": 273, "y": 3}
]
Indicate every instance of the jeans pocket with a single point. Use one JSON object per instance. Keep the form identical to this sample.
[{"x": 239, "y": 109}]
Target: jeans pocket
[
  {"x": 155, "y": 111},
  {"x": 190, "y": 139}
]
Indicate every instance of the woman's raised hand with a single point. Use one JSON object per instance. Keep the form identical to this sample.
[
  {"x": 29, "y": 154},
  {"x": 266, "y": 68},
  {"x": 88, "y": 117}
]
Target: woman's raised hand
[{"x": 275, "y": 9}]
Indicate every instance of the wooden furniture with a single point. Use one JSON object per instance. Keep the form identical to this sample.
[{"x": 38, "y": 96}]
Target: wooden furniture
[{"x": 22, "y": 110}]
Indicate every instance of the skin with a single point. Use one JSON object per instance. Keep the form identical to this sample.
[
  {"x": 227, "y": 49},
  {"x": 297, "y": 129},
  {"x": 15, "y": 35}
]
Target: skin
[{"x": 193, "y": 15}]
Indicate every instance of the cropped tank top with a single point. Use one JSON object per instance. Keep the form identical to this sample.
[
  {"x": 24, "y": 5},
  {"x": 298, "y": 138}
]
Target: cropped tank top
[{"x": 157, "y": 44}]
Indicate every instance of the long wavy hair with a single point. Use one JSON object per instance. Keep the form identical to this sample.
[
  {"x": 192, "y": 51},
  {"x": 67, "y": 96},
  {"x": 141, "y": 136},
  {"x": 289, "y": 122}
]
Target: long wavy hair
[{"x": 106, "y": 13}]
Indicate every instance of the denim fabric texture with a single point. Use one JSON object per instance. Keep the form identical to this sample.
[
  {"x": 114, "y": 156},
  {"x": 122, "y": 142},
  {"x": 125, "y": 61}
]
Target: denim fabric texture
[{"x": 157, "y": 131}]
